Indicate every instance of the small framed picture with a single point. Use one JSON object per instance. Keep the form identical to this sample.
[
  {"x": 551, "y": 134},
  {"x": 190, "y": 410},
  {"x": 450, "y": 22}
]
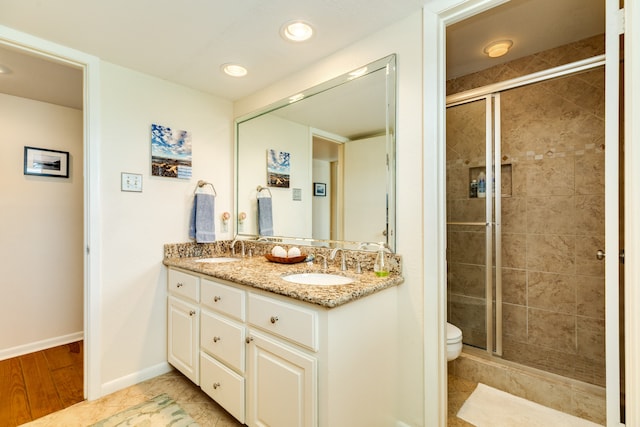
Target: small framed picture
[
  {"x": 319, "y": 189},
  {"x": 44, "y": 162}
]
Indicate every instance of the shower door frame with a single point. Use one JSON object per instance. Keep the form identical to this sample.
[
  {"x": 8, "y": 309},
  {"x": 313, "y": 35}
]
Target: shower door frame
[
  {"x": 493, "y": 219},
  {"x": 442, "y": 13}
]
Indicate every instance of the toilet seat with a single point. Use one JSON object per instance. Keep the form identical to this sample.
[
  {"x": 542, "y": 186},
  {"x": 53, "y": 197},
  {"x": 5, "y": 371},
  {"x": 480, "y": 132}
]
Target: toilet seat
[
  {"x": 454, "y": 334},
  {"x": 454, "y": 342}
]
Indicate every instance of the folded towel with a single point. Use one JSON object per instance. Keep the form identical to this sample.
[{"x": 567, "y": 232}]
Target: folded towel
[
  {"x": 202, "y": 225},
  {"x": 265, "y": 216}
]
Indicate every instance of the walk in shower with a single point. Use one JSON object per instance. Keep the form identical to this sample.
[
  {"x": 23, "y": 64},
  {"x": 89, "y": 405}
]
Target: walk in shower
[{"x": 524, "y": 282}]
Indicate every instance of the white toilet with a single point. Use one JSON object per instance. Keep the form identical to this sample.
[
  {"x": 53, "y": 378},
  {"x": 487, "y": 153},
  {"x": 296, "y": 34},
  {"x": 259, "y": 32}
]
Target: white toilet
[{"x": 454, "y": 341}]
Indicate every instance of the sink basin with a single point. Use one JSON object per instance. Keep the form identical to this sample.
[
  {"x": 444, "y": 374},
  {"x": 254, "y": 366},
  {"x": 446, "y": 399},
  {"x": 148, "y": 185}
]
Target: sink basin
[
  {"x": 318, "y": 279},
  {"x": 218, "y": 259}
]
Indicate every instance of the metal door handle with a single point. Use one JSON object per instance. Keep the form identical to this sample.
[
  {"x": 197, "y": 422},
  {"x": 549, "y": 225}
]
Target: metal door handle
[{"x": 600, "y": 255}]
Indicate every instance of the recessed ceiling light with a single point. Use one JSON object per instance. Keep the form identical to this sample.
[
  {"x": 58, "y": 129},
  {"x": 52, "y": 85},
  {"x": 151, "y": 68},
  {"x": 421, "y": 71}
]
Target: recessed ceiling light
[
  {"x": 234, "y": 70},
  {"x": 297, "y": 31},
  {"x": 5, "y": 70},
  {"x": 499, "y": 48}
]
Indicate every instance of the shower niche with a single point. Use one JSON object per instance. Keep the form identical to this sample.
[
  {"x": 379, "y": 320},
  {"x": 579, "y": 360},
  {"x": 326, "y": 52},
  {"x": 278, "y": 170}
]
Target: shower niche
[{"x": 505, "y": 180}]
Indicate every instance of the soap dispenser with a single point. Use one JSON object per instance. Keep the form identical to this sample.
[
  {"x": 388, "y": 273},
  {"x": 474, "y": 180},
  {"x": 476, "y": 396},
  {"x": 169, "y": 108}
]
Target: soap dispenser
[{"x": 380, "y": 267}]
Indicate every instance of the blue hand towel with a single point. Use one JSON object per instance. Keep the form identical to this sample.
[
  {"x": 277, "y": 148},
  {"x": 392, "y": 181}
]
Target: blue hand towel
[
  {"x": 202, "y": 225},
  {"x": 265, "y": 216}
]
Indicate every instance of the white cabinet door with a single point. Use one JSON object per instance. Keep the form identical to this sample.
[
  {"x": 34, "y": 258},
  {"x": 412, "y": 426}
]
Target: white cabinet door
[
  {"x": 281, "y": 385},
  {"x": 182, "y": 329}
]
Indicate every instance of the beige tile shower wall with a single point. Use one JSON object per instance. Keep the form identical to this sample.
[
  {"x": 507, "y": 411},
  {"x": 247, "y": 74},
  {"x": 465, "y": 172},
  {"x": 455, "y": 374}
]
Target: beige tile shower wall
[{"x": 553, "y": 223}]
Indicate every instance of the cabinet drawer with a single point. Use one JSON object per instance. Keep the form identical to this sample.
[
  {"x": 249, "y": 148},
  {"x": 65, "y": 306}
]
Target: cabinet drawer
[
  {"x": 223, "y": 338},
  {"x": 223, "y": 299},
  {"x": 183, "y": 284},
  {"x": 223, "y": 385},
  {"x": 289, "y": 321}
]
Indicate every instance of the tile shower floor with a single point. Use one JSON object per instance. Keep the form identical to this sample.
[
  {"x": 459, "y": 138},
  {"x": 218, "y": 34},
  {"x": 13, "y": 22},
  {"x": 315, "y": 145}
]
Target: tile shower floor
[{"x": 189, "y": 396}]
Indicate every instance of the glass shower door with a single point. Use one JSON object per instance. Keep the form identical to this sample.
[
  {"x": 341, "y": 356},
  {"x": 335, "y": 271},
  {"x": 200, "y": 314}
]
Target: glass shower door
[
  {"x": 469, "y": 233},
  {"x": 553, "y": 283}
]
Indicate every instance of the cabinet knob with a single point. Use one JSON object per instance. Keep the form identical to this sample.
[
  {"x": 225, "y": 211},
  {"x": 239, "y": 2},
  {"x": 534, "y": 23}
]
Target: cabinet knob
[
  {"x": 248, "y": 340},
  {"x": 216, "y": 298},
  {"x": 274, "y": 319},
  {"x": 192, "y": 312},
  {"x": 216, "y": 339},
  {"x": 216, "y": 385},
  {"x": 179, "y": 285}
]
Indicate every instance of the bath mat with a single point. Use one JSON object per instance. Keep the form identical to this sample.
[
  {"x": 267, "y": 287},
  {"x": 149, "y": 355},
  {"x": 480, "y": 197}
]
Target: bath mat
[
  {"x": 158, "y": 412},
  {"x": 489, "y": 407}
]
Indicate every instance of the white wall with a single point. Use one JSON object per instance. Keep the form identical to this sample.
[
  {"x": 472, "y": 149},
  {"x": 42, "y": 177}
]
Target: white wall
[
  {"x": 41, "y": 228},
  {"x": 290, "y": 217},
  {"x": 405, "y": 39},
  {"x": 135, "y": 226}
]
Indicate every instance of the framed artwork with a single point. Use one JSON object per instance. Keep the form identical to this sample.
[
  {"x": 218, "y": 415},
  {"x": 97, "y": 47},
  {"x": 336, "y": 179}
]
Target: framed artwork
[
  {"x": 319, "y": 189},
  {"x": 278, "y": 168},
  {"x": 170, "y": 152},
  {"x": 45, "y": 162}
]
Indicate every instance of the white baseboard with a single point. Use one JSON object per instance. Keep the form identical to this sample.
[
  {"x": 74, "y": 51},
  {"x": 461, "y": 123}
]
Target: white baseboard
[
  {"x": 401, "y": 424},
  {"x": 40, "y": 345},
  {"x": 134, "y": 378}
]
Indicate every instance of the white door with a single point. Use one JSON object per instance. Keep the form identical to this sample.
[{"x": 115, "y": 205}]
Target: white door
[{"x": 365, "y": 190}]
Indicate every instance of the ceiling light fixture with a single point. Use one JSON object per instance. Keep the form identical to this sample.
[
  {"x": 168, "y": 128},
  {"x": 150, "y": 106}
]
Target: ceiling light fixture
[
  {"x": 297, "y": 31},
  {"x": 499, "y": 48},
  {"x": 234, "y": 70}
]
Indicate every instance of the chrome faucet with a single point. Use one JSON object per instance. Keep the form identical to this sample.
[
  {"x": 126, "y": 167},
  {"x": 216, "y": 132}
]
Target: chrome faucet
[
  {"x": 233, "y": 246},
  {"x": 324, "y": 261},
  {"x": 343, "y": 264}
]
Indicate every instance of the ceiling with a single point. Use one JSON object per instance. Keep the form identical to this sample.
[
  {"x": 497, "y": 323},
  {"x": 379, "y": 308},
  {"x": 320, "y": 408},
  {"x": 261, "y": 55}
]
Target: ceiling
[
  {"x": 532, "y": 25},
  {"x": 187, "y": 42}
]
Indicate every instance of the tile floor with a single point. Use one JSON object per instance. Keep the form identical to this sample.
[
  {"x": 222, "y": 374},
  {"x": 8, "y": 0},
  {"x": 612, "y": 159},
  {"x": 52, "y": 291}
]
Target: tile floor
[
  {"x": 189, "y": 396},
  {"x": 197, "y": 404},
  {"x": 458, "y": 391}
]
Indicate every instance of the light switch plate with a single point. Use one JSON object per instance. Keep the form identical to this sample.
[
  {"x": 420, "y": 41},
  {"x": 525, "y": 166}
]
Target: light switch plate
[{"x": 131, "y": 182}]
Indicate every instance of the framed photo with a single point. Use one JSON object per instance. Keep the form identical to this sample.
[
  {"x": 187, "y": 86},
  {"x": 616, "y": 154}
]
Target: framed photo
[
  {"x": 319, "y": 189},
  {"x": 278, "y": 168},
  {"x": 170, "y": 152},
  {"x": 44, "y": 162}
]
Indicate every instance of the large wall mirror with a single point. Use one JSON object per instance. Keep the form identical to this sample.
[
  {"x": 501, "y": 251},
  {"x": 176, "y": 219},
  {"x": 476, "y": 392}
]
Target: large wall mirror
[{"x": 326, "y": 160}]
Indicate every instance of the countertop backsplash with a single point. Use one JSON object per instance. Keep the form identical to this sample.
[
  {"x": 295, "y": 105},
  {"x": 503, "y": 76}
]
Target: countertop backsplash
[{"x": 222, "y": 248}]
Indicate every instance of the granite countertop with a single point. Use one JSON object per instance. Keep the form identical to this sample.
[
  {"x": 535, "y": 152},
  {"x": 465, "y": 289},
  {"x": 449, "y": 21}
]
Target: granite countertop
[{"x": 257, "y": 272}]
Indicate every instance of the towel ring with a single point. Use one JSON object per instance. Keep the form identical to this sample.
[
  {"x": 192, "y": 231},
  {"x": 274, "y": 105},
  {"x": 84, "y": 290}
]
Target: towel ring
[
  {"x": 260, "y": 188},
  {"x": 202, "y": 183}
]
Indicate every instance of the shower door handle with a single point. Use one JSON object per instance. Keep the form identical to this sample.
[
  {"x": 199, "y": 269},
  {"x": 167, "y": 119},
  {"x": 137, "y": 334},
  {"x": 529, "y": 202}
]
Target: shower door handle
[{"x": 600, "y": 255}]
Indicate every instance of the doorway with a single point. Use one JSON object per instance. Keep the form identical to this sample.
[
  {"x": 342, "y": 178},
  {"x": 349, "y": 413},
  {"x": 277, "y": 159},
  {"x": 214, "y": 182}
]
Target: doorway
[
  {"x": 524, "y": 281},
  {"x": 88, "y": 162},
  {"x": 43, "y": 228}
]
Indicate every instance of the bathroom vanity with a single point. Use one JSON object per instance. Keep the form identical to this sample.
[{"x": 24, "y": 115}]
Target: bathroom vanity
[{"x": 279, "y": 354}]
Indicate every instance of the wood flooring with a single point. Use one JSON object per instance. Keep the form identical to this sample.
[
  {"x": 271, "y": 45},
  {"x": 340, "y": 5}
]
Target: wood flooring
[{"x": 37, "y": 384}]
